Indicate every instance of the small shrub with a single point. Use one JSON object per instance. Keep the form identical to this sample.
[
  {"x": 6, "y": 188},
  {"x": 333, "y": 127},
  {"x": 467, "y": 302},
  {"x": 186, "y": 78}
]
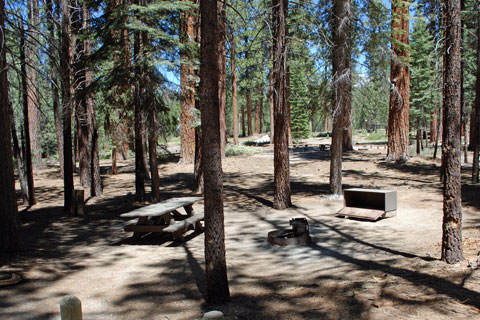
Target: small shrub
[
  {"x": 375, "y": 136},
  {"x": 233, "y": 150}
]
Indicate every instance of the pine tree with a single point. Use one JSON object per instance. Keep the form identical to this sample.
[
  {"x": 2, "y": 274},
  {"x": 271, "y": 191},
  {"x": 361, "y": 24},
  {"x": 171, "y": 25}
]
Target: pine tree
[
  {"x": 399, "y": 106},
  {"x": 10, "y": 239},
  {"x": 422, "y": 84},
  {"x": 452, "y": 199}
]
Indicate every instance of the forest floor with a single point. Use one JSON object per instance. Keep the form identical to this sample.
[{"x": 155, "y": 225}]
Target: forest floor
[{"x": 354, "y": 269}]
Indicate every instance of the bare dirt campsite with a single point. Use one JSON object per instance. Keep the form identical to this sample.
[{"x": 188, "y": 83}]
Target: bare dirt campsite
[{"x": 353, "y": 269}]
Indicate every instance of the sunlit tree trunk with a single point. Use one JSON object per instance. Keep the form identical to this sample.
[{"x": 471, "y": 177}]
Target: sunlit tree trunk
[
  {"x": 341, "y": 91},
  {"x": 32, "y": 83},
  {"x": 451, "y": 149},
  {"x": 234, "y": 87},
  {"x": 399, "y": 105},
  {"x": 222, "y": 66},
  {"x": 215, "y": 260},
  {"x": 57, "y": 112},
  {"x": 187, "y": 86},
  {"x": 282, "y": 193}
]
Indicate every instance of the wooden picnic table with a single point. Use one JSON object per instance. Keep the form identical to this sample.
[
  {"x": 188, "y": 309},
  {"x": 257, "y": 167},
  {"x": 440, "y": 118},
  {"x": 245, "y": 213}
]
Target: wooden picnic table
[{"x": 164, "y": 217}]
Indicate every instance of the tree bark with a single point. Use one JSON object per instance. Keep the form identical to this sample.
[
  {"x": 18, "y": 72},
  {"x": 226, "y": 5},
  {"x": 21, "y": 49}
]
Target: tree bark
[
  {"x": 475, "y": 138},
  {"x": 32, "y": 85},
  {"x": 399, "y": 105},
  {"x": 22, "y": 173},
  {"x": 216, "y": 267},
  {"x": 234, "y": 87},
  {"x": 272, "y": 106},
  {"x": 249, "y": 115},
  {"x": 451, "y": 150},
  {"x": 257, "y": 110},
  {"x": 26, "y": 124},
  {"x": 222, "y": 66},
  {"x": 66, "y": 75},
  {"x": 140, "y": 169},
  {"x": 187, "y": 86},
  {"x": 152, "y": 142},
  {"x": 10, "y": 238},
  {"x": 342, "y": 89},
  {"x": 243, "y": 121},
  {"x": 89, "y": 168},
  {"x": 57, "y": 112},
  {"x": 282, "y": 194}
]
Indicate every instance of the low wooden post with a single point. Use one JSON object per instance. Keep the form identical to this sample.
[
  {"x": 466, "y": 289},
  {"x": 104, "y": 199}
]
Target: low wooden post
[
  {"x": 70, "y": 308},
  {"x": 78, "y": 206}
]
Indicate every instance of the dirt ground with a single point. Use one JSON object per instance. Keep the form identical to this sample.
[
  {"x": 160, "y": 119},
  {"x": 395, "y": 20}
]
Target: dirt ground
[{"x": 354, "y": 269}]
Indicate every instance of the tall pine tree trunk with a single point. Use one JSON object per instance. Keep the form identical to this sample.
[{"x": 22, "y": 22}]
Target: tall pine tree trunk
[
  {"x": 451, "y": 150},
  {"x": 222, "y": 66},
  {"x": 140, "y": 169},
  {"x": 341, "y": 90},
  {"x": 95, "y": 178},
  {"x": 67, "y": 96},
  {"x": 257, "y": 109},
  {"x": 32, "y": 83},
  {"x": 152, "y": 140},
  {"x": 10, "y": 238},
  {"x": 27, "y": 150},
  {"x": 272, "y": 106},
  {"x": 249, "y": 114},
  {"x": 243, "y": 120},
  {"x": 89, "y": 168},
  {"x": 57, "y": 112},
  {"x": 22, "y": 173},
  {"x": 187, "y": 87},
  {"x": 282, "y": 196},
  {"x": 215, "y": 260},
  {"x": 234, "y": 87},
  {"x": 475, "y": 139},
  {"x": 399, "y": 105}
]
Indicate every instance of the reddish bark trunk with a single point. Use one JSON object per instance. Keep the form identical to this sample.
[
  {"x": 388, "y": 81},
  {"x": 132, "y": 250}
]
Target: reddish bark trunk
[
  {"x": 249, "y": 115},
  {"x": 243, "y": 120},
  {"x": 187, "y": 85},
  {"x": 257, "y": 109},
  {"x": 32, "y": 85},
  {"x": 399, "y": 105}
]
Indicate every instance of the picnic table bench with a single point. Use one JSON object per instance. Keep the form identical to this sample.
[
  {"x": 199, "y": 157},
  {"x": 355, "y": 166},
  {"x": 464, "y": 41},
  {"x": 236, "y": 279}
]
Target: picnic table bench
[{"x": 164, "y": 217}]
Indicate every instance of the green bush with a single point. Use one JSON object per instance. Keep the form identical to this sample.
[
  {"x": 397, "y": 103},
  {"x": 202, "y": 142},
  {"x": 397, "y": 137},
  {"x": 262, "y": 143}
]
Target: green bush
[
  {"x": 232, "y": 150},
  {"x": 375, "y": 136}
]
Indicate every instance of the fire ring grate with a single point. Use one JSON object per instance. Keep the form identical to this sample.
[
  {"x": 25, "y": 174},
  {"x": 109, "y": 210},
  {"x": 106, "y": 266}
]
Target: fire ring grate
[
  {"x": 298, "y": 235},
  {"x": 9, "y": 278}
]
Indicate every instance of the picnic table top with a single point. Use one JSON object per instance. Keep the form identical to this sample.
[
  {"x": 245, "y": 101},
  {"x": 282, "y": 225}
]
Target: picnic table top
[{"x": 163, "y": 207}]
